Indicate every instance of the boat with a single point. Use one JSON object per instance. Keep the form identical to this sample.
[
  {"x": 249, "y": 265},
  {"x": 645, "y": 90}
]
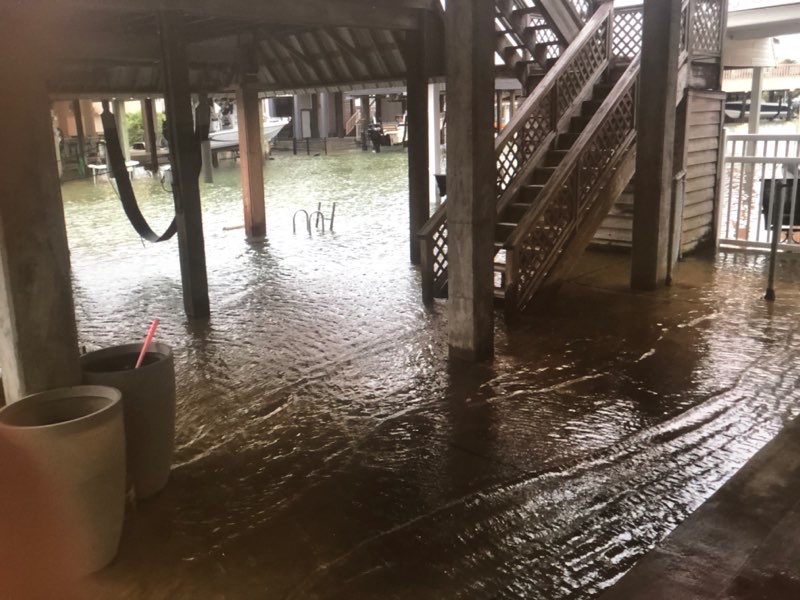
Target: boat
[
  {"x": 734, "y": 110},
  {"x": 228, "y": 139}
]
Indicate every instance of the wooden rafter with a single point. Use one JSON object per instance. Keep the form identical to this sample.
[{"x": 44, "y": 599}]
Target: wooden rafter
[{"x": 382, "y": 14}]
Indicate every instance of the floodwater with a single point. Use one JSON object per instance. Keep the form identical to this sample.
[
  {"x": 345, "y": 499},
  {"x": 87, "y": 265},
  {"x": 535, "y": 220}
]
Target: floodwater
[{"x": 326, "y": 448}]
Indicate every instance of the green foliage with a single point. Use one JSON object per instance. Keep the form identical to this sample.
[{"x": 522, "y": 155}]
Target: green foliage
[{"x": 135, "y": 128}]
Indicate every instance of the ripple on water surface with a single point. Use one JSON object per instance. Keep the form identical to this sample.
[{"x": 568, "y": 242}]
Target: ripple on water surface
[{"x": 327, "y": 449}]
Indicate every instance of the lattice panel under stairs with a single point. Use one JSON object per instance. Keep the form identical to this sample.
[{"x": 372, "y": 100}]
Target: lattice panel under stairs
[
  {"x": 603, "y": 148},
  {"x": 627, "y": 39},
  {"x": 439, "y": 250},
  {"x": 524, "y": 143},
  {"x": 535, "y": 254},
  {"x": 545, "y": 35},
  {"x": 573, "y": 81},
  {"x": 583, "y": 8},
  {"x": 707, "y": 27}
]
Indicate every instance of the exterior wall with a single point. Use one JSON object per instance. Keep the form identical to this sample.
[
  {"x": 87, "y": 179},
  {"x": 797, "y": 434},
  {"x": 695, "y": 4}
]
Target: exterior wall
[
  {"x": 704, "y": 133},
  {"x": 704, "y": 124}
]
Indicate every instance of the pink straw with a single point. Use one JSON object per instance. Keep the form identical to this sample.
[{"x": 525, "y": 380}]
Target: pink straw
[{"x": 147, "y": 341}]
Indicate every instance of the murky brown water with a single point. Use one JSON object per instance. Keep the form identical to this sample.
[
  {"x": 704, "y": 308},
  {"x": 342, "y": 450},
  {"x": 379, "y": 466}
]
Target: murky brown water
[{"x": 326, "y": 448}]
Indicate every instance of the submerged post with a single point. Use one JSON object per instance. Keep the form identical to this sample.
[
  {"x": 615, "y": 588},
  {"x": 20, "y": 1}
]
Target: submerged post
[
  {"x": 755, "y": 100},
  {"x": 338, "y": 107},
  {"x": 150, "y": 136},
  {"x": 122, "y": 127},
  {"x": 366, "y": 120},
  {"x": 251, "y": 164},
  {"x": 185, "y": 159},
  {"x": 655, "y": 143},
  {"x": 418, "y": 176},
  {"x": 204, "y": 122},
  {"x": 77, "y": 114},
  {"x": 324, "y": 118},
  {"x": 38, "y": 337},
  {"x": 470, "y": 177}
]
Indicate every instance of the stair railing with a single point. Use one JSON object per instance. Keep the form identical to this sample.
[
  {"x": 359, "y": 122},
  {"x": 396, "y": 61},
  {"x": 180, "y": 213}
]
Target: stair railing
[
  {"x": 522, "y": 145},
  {"x": 352, "y": 122},
  {"x": 571, "y": 192}
]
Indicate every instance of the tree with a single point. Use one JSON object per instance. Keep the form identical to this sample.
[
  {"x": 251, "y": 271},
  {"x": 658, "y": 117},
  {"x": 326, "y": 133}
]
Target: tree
[{"x": 135, "y": 128}]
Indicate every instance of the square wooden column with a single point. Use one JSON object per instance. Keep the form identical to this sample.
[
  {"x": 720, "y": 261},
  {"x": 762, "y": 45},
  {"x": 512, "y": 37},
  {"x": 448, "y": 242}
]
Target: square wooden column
[
  {"x": 655, "y": 143},
  {"x": 418, "y": 176},
  {"x": 38, "y": 337},
  {"x": 184, "y": 152},
  {"x": 251, "y": 163},
  {"x": 470, "y": 177},
  {"x": 338, "y": 107},
  {"x": 150, "y": 135},
  {"x": 121, "y": 116},
  {"x": 76, "y": 113}
]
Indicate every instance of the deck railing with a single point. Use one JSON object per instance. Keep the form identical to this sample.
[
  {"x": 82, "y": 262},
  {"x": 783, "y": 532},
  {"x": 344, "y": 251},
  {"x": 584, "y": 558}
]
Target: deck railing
[
  {"x": 352, "y": 122},
  {"x": 761, "y": 171}
]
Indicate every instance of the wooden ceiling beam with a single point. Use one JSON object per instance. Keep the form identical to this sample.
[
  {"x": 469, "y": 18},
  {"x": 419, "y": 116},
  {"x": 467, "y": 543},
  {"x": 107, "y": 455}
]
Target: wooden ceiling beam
[
  {"x": 379, "y": 14},
  {"x": 103, "y": 47}
]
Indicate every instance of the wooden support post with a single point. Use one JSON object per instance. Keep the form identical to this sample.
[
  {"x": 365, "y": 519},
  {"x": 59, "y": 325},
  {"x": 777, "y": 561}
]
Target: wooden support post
[
  {"x": 755, "y": 100},
  {"x": 470, "y": 177},
  {"x": 121, "y": 118},
  {"x": 77, "y": 114},
  {"x": 366, "y": 119},
  {"x": 185, "y": 160},
  {"x": 512, "y": 102},
  {"x": 418, "y": 175},
  {"x": 655, "y": 143},
  {"x": 87, "y": 110},
  {"x": 379, "y": 108},
  {"x": 324, "y": 118},
  {"x": 315, "y": 117},
  {"x": 207, "y": 157},
  {"x": 338, "y": 107},
  {"x": 38, "y": 337},
  {"x": 251, "y": 162},
  {"x": 150, "y": 135},
  {"x": 297, "y": 119}
]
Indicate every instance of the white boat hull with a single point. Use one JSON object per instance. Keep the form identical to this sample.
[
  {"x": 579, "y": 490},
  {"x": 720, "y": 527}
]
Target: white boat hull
[{"x": 229, "y": 138}]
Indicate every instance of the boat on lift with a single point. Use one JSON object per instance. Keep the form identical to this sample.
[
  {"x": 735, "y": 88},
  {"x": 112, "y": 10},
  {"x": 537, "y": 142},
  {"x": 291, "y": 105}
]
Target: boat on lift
[
  {"x": 737, "y": 109},
  {"x": 228, "y": 139}
]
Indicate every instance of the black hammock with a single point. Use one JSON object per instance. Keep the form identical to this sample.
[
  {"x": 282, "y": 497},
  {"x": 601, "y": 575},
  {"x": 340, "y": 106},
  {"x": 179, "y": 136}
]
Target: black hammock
[{"x": 119, "y": 170}]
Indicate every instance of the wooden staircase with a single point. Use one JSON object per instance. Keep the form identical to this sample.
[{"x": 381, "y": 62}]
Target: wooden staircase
[
  {"x": 561, "y": 163},
  {"x": 540, "y": 235},
  {"x": 570, "y": 150},
  {"x": 529, "y": 40}
]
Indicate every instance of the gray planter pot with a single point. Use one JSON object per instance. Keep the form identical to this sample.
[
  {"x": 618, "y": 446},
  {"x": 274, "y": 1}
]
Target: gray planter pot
[
  {"x": 148, "y": 399},
  {"x": 77, "y": 437}
]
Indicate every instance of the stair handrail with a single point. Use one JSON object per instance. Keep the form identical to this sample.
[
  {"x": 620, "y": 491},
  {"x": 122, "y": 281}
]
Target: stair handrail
[
  {"x": 544, "y": 113},
  {"x": 352, "y": 121},
  {"x": 617, "y": 110}
]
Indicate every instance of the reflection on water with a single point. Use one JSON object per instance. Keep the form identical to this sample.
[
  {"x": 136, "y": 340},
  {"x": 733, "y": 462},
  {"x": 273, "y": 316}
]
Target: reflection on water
[{"x": 326, "y": 449}]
